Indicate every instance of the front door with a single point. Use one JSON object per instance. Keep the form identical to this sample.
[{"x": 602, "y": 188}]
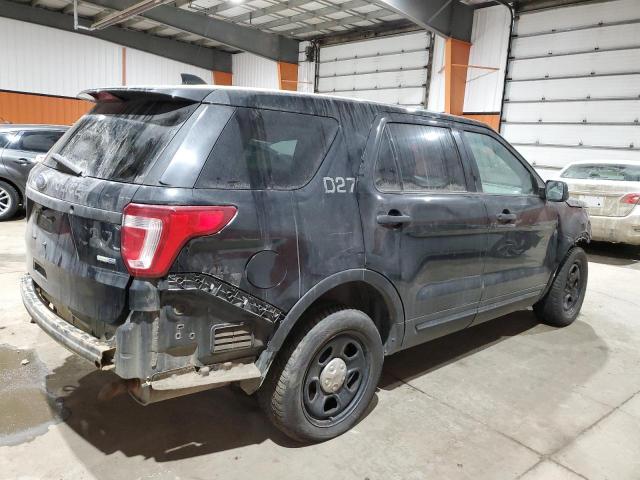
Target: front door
[
  {"x": 520, "y": 254},
  {"x": 423, "y": 225}
]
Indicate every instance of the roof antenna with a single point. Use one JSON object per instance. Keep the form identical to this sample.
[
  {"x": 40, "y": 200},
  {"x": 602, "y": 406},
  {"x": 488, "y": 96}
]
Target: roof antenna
[{"x": 189, "y": 79}]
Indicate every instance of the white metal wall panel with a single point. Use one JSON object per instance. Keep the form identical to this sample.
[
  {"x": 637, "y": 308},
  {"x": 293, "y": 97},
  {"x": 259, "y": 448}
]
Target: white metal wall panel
[
  {"x": 436, "y": 86},
  {"x": 623, "y": 111},
  {"x": 574, "y": 135},
  {"x": 45, "y": 60},
  {"x": 619, "y": 61},
  {"x": 250, "y": 70},
  {"x": 612, "y": 36},
  {"x": 389, "y": 69},
  {"x": 306, "y": 70},
  {"x": 575, "y": 88},
  {"x": 571, "y": 17},
  {"x": 489, "y": 44},
  {"x": 148, "y": 69},
  {"x": 574, "y": 84}
]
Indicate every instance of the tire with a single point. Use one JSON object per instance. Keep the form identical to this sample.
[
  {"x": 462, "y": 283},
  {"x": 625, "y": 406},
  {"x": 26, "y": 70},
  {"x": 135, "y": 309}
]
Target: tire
[
  {"x": 9, "y": 201},
  {"x": 332, "y": 344},
  {"x": 562, "y": 303}
]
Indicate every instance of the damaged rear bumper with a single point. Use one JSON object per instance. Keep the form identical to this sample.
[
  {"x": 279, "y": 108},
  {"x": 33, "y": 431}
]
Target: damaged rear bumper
[
  {"x": 134, "y": 349},
  {"x": 96, "y": 351}
]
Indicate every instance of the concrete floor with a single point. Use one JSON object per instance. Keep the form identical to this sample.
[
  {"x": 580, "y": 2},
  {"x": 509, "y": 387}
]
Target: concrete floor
[{"x": 507, "y": 399}]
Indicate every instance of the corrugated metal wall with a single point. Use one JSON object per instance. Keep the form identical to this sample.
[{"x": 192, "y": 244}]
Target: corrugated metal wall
[
  {"x": 574, "y": 84},
  {"x": 389, "y": 69},
  {"x": 437, "y": 86},
  {"x": 306, "y": 70},
  {"x": 489, "y": 44},
  {"x": 46, "y": 61},
  {"x": 252, "y": 71},
  {"x": 145, "y": 69}
]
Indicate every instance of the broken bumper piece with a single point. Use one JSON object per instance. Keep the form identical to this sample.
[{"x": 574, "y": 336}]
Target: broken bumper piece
[{"x": 98, "y": 352}]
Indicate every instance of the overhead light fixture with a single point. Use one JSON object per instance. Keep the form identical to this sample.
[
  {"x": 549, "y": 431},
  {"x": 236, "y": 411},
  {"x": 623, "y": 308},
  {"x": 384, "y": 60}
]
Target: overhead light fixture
[{"x": 122, "y": 15}]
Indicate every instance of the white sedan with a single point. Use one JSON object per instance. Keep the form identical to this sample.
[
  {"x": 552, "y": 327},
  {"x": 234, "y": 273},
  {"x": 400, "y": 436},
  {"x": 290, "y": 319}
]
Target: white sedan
[{"x": 611, "y": 192}]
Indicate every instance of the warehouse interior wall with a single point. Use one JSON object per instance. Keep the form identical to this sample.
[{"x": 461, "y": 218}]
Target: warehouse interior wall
[
  {"x": 250, "y": 70},
  {"x": 44, "y": 69},
  {"x": 487, "y": 64}
]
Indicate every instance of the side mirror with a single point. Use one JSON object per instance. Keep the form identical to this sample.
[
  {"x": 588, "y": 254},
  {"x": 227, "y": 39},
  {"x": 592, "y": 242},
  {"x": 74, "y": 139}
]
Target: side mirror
[{"x": 556, "y": 191}]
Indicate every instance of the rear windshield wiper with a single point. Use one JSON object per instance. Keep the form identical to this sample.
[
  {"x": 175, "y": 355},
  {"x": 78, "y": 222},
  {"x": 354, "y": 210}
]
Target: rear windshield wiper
[{"x": 66, "y": 163}]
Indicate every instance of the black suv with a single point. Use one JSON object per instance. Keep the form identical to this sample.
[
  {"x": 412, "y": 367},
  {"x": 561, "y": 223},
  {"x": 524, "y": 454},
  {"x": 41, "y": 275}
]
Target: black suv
[
  {"x": 188, "y": 238},
  {"x": 19, "y": 147}
]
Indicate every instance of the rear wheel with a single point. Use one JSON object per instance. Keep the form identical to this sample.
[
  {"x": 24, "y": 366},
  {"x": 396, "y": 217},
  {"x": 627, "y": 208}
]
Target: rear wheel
[
  {"x": 325, "y": 377},
  {"x": 9, "y": 201},
  {"x": 562, "y": 304}
]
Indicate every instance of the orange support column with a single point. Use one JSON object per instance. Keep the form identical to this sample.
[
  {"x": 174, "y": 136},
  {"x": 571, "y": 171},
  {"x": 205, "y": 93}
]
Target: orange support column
[
  {"x": 456, "y": 60},
  {"x": 221, "y": 78},
  {"x": 288, "y": 76}
]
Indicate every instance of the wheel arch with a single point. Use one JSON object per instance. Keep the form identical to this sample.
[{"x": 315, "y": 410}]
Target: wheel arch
[
  {"x": 362, "y": 281},
  {"x": 8, "y": 181}
]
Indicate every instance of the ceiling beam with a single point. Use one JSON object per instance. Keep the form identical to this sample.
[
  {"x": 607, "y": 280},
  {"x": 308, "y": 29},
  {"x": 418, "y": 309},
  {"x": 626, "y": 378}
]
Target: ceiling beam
[
  {"x": 268, "y": 45},
  {"x": 180, "y": 51},
  {"x": 448, "y": 18}
]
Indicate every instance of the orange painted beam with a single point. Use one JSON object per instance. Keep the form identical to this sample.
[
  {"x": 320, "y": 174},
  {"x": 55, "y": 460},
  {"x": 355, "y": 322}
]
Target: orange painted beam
[
  {"x": 221, "y": 78},
  {"x": 18, "y": 107},
  {"x": 456, "y": 60},
  {"x": 288, "y": 76},
  {"x": 491, "y": 119}
]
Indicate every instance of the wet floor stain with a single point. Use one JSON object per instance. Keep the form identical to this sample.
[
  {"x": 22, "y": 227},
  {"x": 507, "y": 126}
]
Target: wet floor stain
[{"x": 27, "y": 409}]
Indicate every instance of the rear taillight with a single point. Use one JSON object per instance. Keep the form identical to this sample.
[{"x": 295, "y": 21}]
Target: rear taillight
[
  {"x": 631, "y": 198},
  {"x": 152, "y": 235}
]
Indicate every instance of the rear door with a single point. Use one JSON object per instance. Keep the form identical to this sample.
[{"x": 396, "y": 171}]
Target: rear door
[
  {"x": 520, "y": 253},
  {"x": 423, "y": 225}
]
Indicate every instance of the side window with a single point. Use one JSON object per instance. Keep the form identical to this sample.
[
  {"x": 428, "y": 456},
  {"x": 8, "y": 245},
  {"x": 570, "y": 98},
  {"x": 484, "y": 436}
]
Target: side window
[
  {"x": 266, "y": 149},
  {"x": 500, "y": 172},
  {"x": 40, "y": 141},
  {"x": 4, "y": 139},
  {"x": 427, "y": 159},
  {"x": 386, "y": 176}
]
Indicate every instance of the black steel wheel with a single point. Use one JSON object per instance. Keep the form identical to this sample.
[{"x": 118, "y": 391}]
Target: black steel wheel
[
  {"x": 325, "y": 376},
  {"x": 562, "y": 303},
  {"x": 334, "y": 381}
]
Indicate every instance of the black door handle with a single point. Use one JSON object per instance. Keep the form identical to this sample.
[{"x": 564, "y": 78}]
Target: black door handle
[
  {"x": 393, "y": 220},
  {"x": 506, "y": 217}
]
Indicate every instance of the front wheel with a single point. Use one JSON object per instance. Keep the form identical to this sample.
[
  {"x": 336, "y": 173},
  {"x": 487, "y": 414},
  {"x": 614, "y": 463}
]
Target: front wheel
[
  {"x": 325, "y": 377},
  {"x": 9, "y": 201},
  {"x": 562, "y": 304}
]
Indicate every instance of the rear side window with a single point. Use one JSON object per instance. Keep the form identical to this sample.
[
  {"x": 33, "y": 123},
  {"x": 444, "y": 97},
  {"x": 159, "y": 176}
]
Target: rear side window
[
  {"x": 40, "y": 141},
  {"x": 424, "y": 158},
  {"x": 4, "y": 139},
  {"x": 265, "y": 149},
  {"x": 121, "y": 140}
]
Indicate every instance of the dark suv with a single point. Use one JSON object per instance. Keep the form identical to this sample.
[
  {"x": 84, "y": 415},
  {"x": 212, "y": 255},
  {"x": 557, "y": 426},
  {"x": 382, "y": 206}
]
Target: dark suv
[
  {"x": 19, "y": 146},
  {"x": 188, "y": 238}
]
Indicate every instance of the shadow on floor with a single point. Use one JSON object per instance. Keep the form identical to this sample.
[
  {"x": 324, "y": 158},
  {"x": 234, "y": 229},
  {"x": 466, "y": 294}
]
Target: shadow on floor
[
  {"x": 225, "y": 419},
  {"x": 613, "y": 253},
  {"x": 425, "y": 358}
]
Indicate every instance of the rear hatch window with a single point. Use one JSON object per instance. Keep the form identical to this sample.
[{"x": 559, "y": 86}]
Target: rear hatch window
[
  {"x": 267, "y": 149},
  {"x": 621, "y": 173},
  {"x": 121, "y": 140}
]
